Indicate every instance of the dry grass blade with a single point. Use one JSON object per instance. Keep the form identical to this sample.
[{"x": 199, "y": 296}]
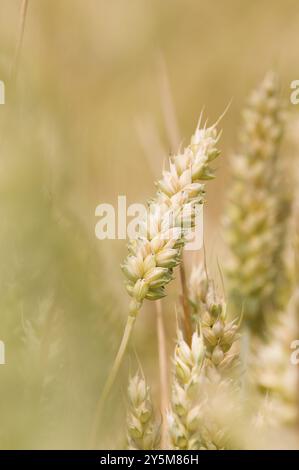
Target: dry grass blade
[{"x": 23, "y": 12}]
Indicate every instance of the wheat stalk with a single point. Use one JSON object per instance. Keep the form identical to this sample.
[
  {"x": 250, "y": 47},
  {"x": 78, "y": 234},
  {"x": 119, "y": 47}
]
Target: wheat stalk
[
  {"x": 173, "y": 133},
  {"x": 163, "y": 372},
  {"x": 23, "y": 12}
]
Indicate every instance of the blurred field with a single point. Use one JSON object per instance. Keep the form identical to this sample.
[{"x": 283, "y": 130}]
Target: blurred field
[{"x": 89, "y": 86}]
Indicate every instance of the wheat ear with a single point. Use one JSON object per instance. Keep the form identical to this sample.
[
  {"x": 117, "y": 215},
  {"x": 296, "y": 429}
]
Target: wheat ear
[
  {"x": 219, "y": 381},
  {"x": 141, "y": 429},
  {"x": 254, "y": 223},
  {"x": 154, "y": 255},
  {"x": 184, "y": 418},
  {"x": 272, "y": 373},
  {"x": 219, "y": 334}
]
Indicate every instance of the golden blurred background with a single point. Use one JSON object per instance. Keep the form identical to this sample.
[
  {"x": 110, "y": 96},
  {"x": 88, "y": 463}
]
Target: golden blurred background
[{"x": 84, "y": 123}]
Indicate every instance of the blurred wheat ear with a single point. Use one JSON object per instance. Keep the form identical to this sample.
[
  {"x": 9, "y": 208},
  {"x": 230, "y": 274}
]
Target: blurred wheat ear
[
  {"x": 273, "y": 375},
  {"x": 185, "y": 417},
  {"x": 142, "y": 432},
  {"x": 219, "y": 332},
  {"x": 204, "y": 373},
  {"x": 258, "y": 213}
]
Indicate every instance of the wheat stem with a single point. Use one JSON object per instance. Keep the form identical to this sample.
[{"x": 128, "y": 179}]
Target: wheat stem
[
  {"x": 185, "y": 303},
  {"x": 172, "y": 129},
  {"x": 168, "y": 108},
  {"x": 111, "y": 378},
  {"x": 23, "y": 11},
  {"x": 163, "y": 370}
]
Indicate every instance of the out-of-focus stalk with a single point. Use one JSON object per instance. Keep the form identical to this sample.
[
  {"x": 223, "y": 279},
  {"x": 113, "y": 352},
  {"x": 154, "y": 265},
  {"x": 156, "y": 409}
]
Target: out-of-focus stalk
[{"x": 23, "y": 12}]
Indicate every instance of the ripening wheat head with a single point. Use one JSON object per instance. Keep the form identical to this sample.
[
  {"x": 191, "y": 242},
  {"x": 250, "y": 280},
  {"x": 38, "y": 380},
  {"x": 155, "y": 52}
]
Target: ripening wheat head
[
  {"x": 185, "y": 417},
  {"x": 141, "y": 428},
  {"x": 153, "y": 256},
  {"x": 219, "y": 393},
  {"x": 273, "y": 374},
  {"x": 203, "y": 376},
  {"x": 219, "y": 333},
  {"x": 258, "y": 209},
  {"x": 171, "y": 216},
  {"x": 273, "y": 368}
]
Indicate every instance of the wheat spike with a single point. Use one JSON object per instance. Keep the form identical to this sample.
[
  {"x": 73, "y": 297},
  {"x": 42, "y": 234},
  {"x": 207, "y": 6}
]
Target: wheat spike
[
  {"x": 258, "y": 211},
  {"x": 218, "y": 381},
  {"x": 185, "y": 417},
  {"x": 171, "y": 215},
  {"x": 273, "y": 374},
  {"x": 141, "y": 428},
  {"x": 152, "y": 258},
  {"x": 219, "y": 333}
]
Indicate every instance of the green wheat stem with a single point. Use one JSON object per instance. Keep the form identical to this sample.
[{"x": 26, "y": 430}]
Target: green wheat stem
[
  {"x": 185, "y": 304},
  {"x": 163, "y": 372},
  {"x": 111, "y": 378}
]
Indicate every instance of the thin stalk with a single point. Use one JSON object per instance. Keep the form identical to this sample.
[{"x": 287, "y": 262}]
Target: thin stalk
[
  {"x": 185, "y": 304},
  {"x": 296, "y": 295},
  {"x": 297, "y": 327},
  {"x": 111, "y": 379},
  {"x": 23, "y": 11},
  {"x": 163, "y": 370},
  {"x": 170, "y": 118},
  {"x": 244, "y": 358}
]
